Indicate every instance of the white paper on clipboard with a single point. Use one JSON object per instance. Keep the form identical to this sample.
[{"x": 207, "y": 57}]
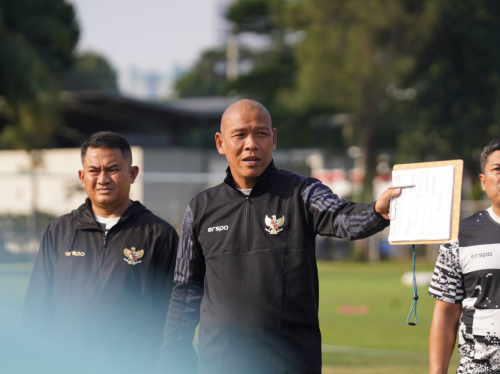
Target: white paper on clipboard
[{"x": 423, "y": 212}]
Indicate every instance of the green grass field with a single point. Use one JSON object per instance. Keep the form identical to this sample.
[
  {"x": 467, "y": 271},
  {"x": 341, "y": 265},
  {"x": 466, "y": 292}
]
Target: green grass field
[
  {"x": 378, "y": 342},
  {"x": 391, "y": 346}
]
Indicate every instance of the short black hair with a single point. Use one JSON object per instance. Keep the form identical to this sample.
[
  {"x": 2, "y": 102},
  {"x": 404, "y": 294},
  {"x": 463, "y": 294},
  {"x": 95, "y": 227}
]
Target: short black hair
[
  {"x": 108, "y": 140},
  {"x": 491, "y": 147}
]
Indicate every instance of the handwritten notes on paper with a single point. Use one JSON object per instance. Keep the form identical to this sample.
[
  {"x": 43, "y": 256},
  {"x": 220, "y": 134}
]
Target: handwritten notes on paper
[{"x": 423, "y": 212}]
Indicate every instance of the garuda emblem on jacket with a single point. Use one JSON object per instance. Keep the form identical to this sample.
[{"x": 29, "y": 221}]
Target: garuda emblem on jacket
[
  {"x": 274, "y": 224},
  {"x": 132, "y": 256}
]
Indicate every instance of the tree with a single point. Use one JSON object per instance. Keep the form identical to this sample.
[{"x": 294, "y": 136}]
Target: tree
[
  {"x": 206, "y": 78},
  {"x": 90, "y": 71},
  {"x": 352, "y": 52},
  {"x": 269, "y": 73},
  {"x": 37, "y": 39},
  {"x": 418, "y": 78},
  {"x": 457, "y": 76}
]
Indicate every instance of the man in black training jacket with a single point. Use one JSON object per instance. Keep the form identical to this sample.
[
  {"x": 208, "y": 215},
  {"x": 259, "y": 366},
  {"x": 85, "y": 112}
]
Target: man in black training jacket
[
  {"x": 99, "y": 292},
  {"x": 246, "y": 267}
]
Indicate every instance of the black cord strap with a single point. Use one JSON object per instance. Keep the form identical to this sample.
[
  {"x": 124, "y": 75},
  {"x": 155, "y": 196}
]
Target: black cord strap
[{"x": 415, "y": 295}]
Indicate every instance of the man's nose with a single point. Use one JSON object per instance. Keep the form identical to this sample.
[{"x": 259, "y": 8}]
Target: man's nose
[
  {"x": 103, "y": 177},
  {"x": 250, "y": 143}
]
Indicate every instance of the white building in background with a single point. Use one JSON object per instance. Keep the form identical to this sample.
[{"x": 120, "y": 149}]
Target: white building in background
[
  {"x": 168, "y": 178},
  {"x": 52, "y": 188}
]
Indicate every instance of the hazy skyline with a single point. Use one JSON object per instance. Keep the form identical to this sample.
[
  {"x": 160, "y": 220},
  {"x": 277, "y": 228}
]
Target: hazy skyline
[{"x": 150, "y": 36}]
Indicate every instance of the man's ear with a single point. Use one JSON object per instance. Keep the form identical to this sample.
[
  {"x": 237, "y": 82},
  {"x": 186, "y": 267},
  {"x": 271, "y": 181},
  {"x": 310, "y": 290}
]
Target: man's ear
[
  {"x": 134, "y": 171},
  {"x": 80, "y": 176},
  {"x": 275, "y": 138},
  {"x": 483, "y": 181},
  {"x": 219, "y": 143}
]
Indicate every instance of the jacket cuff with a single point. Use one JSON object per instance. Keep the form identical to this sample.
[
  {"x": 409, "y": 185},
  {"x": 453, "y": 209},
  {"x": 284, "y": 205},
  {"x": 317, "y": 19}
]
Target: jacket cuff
[{"x": 381, "y": 221}]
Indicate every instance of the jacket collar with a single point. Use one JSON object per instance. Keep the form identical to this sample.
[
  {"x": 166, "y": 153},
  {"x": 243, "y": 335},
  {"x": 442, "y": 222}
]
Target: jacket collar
[
  {"x": 85, "y": 215},
  {"x": 264, "y": 181}
]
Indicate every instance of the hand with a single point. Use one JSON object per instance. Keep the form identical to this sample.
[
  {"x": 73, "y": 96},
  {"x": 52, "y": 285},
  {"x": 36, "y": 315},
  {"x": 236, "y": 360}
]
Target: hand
[{"x": 383, "y": 203}]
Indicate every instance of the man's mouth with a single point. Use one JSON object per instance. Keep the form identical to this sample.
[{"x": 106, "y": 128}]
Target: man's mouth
[
  {"x": 251, "y": 160},
  {"x": 104, "y": 190}
]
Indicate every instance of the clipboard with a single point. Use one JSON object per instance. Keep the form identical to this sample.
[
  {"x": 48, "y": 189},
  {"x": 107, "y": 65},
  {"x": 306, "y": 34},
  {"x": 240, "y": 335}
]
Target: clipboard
[{"x": 457, "y": 195}]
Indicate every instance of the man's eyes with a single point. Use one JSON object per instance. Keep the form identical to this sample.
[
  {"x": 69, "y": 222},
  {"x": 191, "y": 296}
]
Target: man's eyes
[
  {"x": 259, "y": 133},
  {"x": 111, "y": 170}
]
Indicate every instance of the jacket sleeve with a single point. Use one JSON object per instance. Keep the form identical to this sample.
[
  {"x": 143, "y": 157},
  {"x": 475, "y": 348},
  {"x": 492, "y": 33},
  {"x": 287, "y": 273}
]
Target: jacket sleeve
[
  {"x": 164, "y": 266},
  {"x": 156, "y": 300},
  {"x": 331, "y": 215},
  {"x": 37, "y": 312},
  {"x": 177, "y": 354}
]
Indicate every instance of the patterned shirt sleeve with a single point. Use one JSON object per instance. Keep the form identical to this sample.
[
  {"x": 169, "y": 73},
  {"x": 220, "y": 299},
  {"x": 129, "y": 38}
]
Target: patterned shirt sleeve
[
  {"x": 190, "y": 267},
  {"x": 447, "y": 281},
  {"x": 177, "y": 355},
  {"x": 335, "y": 216}
]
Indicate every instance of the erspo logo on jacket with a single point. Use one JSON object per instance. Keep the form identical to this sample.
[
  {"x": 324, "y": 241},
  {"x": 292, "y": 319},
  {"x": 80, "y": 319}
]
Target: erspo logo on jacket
[{"x": 74, "y": 253}]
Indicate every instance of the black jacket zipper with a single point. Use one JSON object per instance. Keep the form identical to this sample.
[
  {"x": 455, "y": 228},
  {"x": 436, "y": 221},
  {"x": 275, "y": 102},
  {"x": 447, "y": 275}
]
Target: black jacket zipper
[
  {"x": 246, "y": 221},
  {"x": 105, "y": 240}
]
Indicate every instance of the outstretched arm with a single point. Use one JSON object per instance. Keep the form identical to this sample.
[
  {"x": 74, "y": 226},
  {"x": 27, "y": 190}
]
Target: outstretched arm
[
  {"x": 443, "y": 335},
  {"x": 331, "y": 215}
]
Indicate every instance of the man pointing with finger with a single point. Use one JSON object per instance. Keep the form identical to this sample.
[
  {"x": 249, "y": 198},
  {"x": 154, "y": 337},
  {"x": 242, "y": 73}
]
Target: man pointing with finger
[{"x": 246, "y": 267}]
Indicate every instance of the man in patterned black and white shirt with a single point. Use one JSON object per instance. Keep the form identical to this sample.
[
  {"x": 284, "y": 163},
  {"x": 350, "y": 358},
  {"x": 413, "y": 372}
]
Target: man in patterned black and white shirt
[{"x": 466, "y": 285}]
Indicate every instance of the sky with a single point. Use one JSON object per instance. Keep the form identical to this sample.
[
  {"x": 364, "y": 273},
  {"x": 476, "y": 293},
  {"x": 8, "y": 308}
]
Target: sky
[{"x": 163, "y": 37}]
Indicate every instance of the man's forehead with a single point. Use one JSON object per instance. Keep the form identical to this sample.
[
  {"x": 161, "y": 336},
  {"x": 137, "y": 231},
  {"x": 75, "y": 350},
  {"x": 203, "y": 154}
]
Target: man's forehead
[
  {"x": 103, "y": 156},
  {"x": 493, "y": 158},
  {"x": 245, "y": 111},
  {"x": 493, "y": 163},
  {"x": 246, "y": 118},
  {"x": 238, "y": 126}
]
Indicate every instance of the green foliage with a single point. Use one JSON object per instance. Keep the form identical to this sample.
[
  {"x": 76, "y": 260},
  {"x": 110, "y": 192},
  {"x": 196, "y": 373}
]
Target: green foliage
[
  {"x": 251, "y": 15},
  {"x": 353, "y": 51},
  {"x": 91, "y": 71},
  {"x": 418, "y": 78},
  {"x": 272, "y": 72},
  {"x": 207, "y": 78},
  {"x": 31, "y": 123},
  {"x": 477, "y": 192},
  {"x": 458, "y": 79},
  {"x": 37, "y": 39}
]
